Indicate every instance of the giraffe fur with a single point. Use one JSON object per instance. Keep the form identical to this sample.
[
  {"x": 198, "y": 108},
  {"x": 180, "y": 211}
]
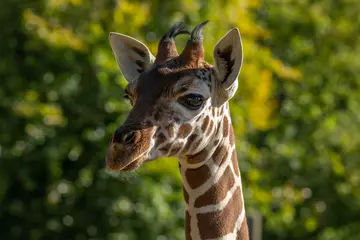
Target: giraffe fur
[{"x": 180, "y": 108}]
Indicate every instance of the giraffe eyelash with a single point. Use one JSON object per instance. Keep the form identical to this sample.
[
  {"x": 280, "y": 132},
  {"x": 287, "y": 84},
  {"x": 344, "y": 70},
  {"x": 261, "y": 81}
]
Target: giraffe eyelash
[{"x": 192, "y": 101}]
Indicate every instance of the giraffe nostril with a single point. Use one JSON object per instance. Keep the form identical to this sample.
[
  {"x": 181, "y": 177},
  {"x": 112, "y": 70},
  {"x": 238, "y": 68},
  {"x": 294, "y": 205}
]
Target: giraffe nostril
[
  {"x": 129, "y": 137},
  {"x": 116, "y": 138}
]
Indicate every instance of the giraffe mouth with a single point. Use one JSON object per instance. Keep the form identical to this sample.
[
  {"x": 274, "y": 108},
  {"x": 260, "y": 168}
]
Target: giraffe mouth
[
  {"x": 116, "y": 165},
  {"x": 132, "y": 165},
  {"x": 137, "y": 163},
  {"x": 118, "y": 160}
]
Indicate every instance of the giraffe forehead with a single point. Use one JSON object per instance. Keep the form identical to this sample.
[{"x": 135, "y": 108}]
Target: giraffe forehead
[
  {"x": 156, "y": 83},
  {"x": 190, "y": 84}
]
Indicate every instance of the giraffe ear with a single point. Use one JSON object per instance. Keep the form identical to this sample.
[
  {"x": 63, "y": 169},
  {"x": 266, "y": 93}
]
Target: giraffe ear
[
  {"x": 132, "y": 56},
  {"x": 228, "y": 57}
]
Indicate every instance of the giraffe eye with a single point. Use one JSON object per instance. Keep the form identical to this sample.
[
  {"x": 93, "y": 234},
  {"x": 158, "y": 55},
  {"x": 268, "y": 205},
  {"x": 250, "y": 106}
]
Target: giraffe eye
[
  {"x": 192, "y": 101},
  {"x": 128, "y": 98}
]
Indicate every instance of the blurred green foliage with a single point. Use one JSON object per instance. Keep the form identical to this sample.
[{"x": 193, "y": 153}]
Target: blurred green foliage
[{"x": 296, "y": 117}]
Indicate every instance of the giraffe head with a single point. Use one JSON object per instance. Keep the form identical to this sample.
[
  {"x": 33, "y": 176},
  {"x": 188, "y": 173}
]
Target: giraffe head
[{"x": 176, "y": 98}]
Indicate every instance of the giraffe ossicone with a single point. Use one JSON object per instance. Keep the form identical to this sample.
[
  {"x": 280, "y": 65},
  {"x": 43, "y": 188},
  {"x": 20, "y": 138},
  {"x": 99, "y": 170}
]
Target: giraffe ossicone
[{"x": 180, "y": 108}]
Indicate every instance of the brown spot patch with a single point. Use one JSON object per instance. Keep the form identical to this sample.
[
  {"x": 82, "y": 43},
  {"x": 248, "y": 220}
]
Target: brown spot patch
[
  {"x": 184, "y": 130},
  {"x": 218, "y": 127},
  {"x": 225, "y": 127},
  {"x": 186, "y": 195},
  {"x": 199, "y": 157},
  {"x": 190, "y": 143},
  {"x": 235, "y": 162},
  {"x": 171, "y": 131},
  {"x": 160, "y": 139},
  {"x": 205, "y": 123},
  {"x": 219, "y": 223},
  {"x": 243, "y": 232},
  {"x": 176, "y": 148},
  {"x": 220, "y": 154},
  {"x": 217, "y": 192},
  {"x": 165, "y": 148},
  {"x": 197, "y": 144},
  {"x": 187, "y": 226},
  {"x": 197, "y": 177},
  {"x": 210, "y": 128}
]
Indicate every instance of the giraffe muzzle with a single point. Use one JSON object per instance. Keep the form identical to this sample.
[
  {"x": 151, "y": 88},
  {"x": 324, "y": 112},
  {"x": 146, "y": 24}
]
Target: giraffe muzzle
[
  {"x": 123, "y": 138},
  {"x": 128, "y": 148}
]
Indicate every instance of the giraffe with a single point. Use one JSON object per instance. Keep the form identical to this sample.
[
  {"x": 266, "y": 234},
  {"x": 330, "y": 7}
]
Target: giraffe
[{"x": 180, "y": 108}]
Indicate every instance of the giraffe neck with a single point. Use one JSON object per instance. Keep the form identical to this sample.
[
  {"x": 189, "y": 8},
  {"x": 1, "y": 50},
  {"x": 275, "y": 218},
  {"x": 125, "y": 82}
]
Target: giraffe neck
[{"x": 213, "y": 192}]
